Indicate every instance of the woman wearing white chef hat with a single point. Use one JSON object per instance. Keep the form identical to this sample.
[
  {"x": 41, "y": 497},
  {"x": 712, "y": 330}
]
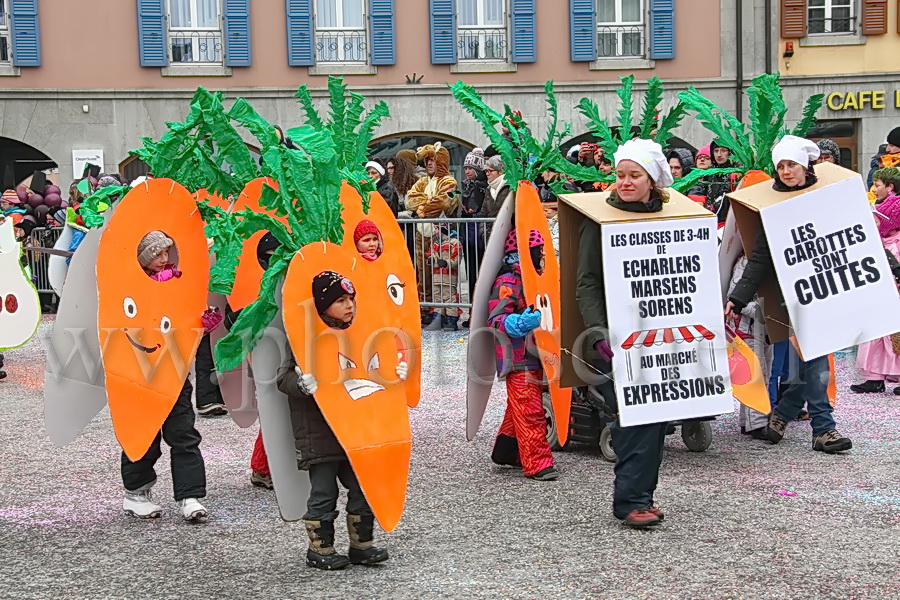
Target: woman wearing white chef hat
[
  {"x": 793, "y": 158},
  {"x": 642, "y": 172}
]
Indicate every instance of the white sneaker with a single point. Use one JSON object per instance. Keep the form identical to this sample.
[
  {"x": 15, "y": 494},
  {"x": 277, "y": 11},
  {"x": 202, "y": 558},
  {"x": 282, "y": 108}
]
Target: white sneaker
[
  {"x": 192, "y": 510},
  {"x": 139, "y": 504}
]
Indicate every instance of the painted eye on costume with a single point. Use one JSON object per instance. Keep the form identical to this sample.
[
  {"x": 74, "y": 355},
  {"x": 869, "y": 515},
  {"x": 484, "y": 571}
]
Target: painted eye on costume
[
  {"x": 345, "y": 363},
  {"x": 130, "y": 307},
  {"x": 395, "y": 289},
  {"x": 165, "y": 324},
  {"x": 374, "y": 363}
]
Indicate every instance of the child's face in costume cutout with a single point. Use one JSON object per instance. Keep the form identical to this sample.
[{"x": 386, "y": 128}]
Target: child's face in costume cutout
[
  {"x": 343, "y": 309},
  {"x": 159, "y": 262},
  {"x": 368, "y": 244}
]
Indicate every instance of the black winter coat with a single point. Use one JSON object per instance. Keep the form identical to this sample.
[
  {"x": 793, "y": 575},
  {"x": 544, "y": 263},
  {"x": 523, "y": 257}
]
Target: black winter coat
[
  {"x": 313, "y": 438},
  {"x": 473, "y": 193},
  {"x": 389, "y": 193}
]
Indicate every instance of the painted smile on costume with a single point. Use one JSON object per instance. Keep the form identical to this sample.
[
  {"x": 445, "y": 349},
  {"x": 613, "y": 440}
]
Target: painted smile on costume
[
  {"x": 138, "y": 346},
  {"x": 360, "y": 388}
]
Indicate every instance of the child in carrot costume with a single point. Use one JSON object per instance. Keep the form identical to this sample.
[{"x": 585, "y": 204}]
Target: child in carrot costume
[
  {"x": 522, "y": 438},
  {"x": 319, "y": 451},
  {"x": 188, "y": 468}
]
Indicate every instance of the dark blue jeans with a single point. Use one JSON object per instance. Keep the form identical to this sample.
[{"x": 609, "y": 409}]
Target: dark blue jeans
[
  {"x": 781, "y": 352},
  {"x": 808, "y": 386}
]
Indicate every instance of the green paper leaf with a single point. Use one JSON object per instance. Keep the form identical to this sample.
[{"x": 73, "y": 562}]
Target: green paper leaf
[{"x": 84, "y": 186}]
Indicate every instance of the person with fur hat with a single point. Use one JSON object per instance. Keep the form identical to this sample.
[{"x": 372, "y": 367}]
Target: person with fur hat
[
  {"x": 444, "y": 256},
  {"x": 320, "y": 452},
  {"x": 642, "y": 174},
  {"x": 383, "y": 185},
  {"x": 178, "y": 430},
  {"x": 793, "y": 158},
  {"x": 522, "y": 439},
  {"x": 433, "y": 196}
]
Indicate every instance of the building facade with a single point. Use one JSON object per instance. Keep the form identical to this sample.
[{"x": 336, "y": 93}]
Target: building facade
[{"x": 86, "y": 80}]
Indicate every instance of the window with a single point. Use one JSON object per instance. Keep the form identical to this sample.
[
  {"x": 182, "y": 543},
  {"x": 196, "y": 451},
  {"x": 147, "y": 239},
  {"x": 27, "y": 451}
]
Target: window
[
  {"x": 195, "y": 32},
  {"x": 482, "y": 31},
  {"x": 620, "y": 28},
  {"x": 5, "y": 53},
  {"x": 341, "y": 32},
  {"x": 831, "y": 16}
]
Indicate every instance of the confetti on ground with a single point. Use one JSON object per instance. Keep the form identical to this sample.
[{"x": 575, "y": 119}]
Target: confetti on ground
[{"x": 471, "y": 529}]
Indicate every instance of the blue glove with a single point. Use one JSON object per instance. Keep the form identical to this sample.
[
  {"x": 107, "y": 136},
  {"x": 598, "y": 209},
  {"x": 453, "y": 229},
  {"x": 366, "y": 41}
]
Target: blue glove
[{"x": 519, "y": 324}]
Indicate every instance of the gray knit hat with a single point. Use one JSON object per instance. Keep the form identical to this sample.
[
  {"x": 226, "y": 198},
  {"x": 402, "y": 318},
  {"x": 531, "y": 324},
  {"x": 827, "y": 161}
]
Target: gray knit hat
[
  {"x": 152, "y": 244},
  {"x": 827, "y": 146},
  {"x": 475, "y": 159}
]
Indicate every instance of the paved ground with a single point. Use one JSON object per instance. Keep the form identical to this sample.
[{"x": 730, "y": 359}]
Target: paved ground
[{"x": 470, "y": 529}]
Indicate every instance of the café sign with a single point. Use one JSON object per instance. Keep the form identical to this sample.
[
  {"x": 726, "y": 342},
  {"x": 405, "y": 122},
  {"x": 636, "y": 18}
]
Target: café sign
[{"x": 861, "y": 100}]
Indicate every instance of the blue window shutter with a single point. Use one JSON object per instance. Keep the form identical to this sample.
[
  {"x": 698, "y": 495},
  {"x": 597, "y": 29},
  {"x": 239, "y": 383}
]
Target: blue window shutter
[
  {"x": 443, "y": 31},
  {"x": 381, "y": 30},
  {"x": 582, "y": 30},
  {"x": 300, "y": 30},
  {"x": 152, "y": 33},
  {"x": 524, "y": 31},
  {"x": 662, "y": 29},
  {"x": 237, "y": 33},
  {"x": 25, "y": 33}
]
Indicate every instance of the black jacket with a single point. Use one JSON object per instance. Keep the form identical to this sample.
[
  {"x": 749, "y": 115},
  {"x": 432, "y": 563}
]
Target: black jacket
[
  {"x": 590, "y": 291},
  {"x": 313, "y": 438},
  {"x": 389, "y": 193},
  {"x": 491, "y": 207},
  {"x": 473, "y": 193}
]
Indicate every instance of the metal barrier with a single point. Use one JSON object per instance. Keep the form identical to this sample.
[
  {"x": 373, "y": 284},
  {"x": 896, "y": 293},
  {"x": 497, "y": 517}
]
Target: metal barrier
[
  {"x": 447, "y": 254},
  {"x": 44, "y": 237}
]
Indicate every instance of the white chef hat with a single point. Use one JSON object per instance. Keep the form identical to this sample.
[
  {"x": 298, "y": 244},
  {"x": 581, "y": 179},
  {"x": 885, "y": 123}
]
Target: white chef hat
[
  {"x": 797, "y": 149},
  {"x": 650, "y": 156},
  {"x": 375, "y": 165}
]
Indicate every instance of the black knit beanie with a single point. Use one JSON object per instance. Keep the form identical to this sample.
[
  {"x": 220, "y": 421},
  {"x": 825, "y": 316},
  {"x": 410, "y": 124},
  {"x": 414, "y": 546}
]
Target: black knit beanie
[
  {"x": 893, "y": 138},
  {"x": 327, "y": 287}
]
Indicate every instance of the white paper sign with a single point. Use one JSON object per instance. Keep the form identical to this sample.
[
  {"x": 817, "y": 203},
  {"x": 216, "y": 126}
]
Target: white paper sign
[
  {"x": 82, "y": 157},
  {"x": 832, "y": 268},
  {"x": 667, "y": 330}
]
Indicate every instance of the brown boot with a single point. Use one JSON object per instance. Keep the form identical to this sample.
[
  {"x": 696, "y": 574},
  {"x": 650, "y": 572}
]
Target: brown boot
[
  {"x": 362, "y": 547},
  {"x": 321, "y": 553}
]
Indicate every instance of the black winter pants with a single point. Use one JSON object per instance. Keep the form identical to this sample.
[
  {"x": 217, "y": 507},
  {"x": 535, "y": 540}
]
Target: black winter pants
[
  {"x": 188, "y": 470},
  {"x": 323, "y": 495},
  {"x": 639, "y": 452},
  {"x": 207, "y": 382}
]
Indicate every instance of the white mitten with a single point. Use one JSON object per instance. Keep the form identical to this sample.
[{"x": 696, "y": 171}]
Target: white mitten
[
  {"x": 306, "y": 382},
  {"x": 402, "y": 369}
]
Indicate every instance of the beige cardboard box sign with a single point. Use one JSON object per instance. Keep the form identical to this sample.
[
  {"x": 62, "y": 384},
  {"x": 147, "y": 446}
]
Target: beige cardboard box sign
[
  {"x": 829, "y": 263},
  {"x": 574, "y": 209}
]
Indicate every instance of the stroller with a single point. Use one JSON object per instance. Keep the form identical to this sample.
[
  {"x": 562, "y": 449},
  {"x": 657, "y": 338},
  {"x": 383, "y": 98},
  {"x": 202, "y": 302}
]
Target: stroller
[{"x": 594, "y": 409}]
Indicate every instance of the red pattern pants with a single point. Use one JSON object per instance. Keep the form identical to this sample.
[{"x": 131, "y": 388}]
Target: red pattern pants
[
  {"x": 258, "y": 461},
  {"x": 524, "y": 420}
]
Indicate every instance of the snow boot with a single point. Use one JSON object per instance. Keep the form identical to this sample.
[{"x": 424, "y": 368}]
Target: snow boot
[
  {"x": 362, "y": 547},
  {"x": 321, "y": 553},
  {"x": 506, "y": 451}
]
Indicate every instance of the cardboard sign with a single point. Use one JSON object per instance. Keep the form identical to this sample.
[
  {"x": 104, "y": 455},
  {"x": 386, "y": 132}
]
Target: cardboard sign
[
  {"x": 358, "y": 392},
  {"x": 81, "y": 158},
  {"x": 542, "y": 291},
  {"x": 830, "y": 264},
  {"x": 666, "y": 327}
]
